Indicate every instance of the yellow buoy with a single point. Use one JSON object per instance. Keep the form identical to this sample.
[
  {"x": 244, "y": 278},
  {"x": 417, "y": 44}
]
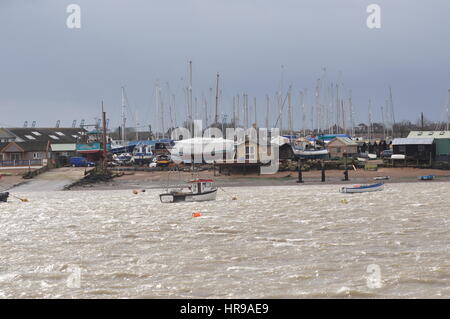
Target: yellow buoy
[{"x": 344, "y": 201}]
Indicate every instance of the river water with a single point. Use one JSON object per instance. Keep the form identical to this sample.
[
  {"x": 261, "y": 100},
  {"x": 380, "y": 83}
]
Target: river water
[{"x": 272, "y": 242}]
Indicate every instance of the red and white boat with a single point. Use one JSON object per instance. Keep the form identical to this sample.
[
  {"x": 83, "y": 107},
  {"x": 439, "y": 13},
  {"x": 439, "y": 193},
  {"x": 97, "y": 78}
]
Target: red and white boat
[{"x": 198, "y": 190}]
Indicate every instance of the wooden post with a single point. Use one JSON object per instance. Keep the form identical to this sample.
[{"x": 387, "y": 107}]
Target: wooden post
[
  {"x": 346, "y": 169},
  {"x": 323, "y": 172},
  {"x": 300, "y": 176}
]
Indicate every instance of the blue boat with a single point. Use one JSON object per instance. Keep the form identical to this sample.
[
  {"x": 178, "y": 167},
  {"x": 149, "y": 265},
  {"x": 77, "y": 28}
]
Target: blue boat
[
  {"x": 426, "y": 177},
  {"x": 363, "y": 188}
]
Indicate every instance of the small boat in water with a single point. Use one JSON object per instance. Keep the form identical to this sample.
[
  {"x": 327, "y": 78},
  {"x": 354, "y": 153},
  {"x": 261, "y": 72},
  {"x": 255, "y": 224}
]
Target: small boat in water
[
  {"x": 363, "y": 188},
  {"x": 4, "y": 197},
  {"x": 199, "y": 190},
  {"x": 426, "y": 177},
  {"x": 381, "y": 178}
]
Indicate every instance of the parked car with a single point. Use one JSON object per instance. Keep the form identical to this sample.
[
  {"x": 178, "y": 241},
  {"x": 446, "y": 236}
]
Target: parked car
[
  {"x": 386, "y": 154},
  {"x": 80, "y": 162}
]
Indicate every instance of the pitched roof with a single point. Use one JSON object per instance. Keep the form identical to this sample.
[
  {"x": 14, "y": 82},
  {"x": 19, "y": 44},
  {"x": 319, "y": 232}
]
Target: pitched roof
[
  {"x": 344, "y": 140},
  {"x": 429, "y": 134},
  {"x": 5, "y": 134},
  {"x": 37, "y": 139},
  {"x": 413, "y": 141}
]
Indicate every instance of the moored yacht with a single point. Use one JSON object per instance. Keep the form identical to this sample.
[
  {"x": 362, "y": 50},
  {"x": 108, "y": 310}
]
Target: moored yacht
[{"x": 198, "y": 190}]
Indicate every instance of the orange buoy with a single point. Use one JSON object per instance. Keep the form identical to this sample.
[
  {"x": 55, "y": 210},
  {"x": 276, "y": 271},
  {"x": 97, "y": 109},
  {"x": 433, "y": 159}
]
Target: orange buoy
[{"x": 196, "y": 214}]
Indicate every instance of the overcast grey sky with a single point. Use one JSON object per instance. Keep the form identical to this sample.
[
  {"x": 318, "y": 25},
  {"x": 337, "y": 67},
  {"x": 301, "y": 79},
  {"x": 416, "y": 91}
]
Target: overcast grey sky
[{"x": 50, "y": 72}]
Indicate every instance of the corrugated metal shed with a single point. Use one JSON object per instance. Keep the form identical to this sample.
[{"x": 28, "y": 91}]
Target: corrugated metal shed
[
  {"x": 442, "y": 141},
  {"x": 429, "y": 134},
  {"x": 413, "y": 141}
]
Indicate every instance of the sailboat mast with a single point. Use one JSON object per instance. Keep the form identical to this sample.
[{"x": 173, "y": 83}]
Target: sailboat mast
[
  {"x": 392, "y": 111},
  {"x": 123, "y": 117},
  {"x": 350, "y": 106},
  {"x": 302, "y": 111},
  {"x": 290, "y": 114},
  {"x": 158, "y": 110},
  {"x": 162, "y": 115},
  {"x": 136, "y": 124},
  {"x": 254, "y": 103},
  {"x": 238, "y": 109},
  {"x": 317, "y": 108},
  {"x": 234, "y": 112},
  {"x": 104, "y": 140},
  {"x": 246, "y": 110},
  {"x": 174, "y": 111},
  {"x": 448, "y": 106},
  {"x": 216, "y": 117},
  {"x": 337, "y": 109},
  {"x": 191, "y": 124},
  {"x": 369, "y": 127},
  {"x": 384, "y": 123},
  {"x": 205, "y": 102}
]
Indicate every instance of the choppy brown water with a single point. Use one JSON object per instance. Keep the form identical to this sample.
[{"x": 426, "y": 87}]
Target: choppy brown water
[{"x": 273, "y": 242}]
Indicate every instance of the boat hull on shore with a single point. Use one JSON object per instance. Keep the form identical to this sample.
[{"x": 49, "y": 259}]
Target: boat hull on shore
[
  {"x": 426, "y": 178},
  {"x": 363, "y": 188},
  {"x": 380, "y": 178}
]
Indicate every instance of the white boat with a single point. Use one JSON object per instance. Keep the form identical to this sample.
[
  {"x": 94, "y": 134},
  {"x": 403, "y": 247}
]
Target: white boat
[
  {"x": 363, "y": 188},
  {"x": 380, "y": 178},
  {"x": 202, "y": 148},
  {"x": 199, "y": 190},
  {"x": 311, "y": 152},
  {"x": 398, "y": 156}
]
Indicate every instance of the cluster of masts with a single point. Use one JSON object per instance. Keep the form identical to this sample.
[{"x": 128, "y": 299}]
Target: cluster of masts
[{"x": 331, "y": 111}]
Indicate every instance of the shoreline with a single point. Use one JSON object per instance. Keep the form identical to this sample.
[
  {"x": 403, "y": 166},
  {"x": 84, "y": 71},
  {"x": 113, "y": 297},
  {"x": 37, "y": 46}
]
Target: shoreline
[{"x": 160, "y": 179}]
